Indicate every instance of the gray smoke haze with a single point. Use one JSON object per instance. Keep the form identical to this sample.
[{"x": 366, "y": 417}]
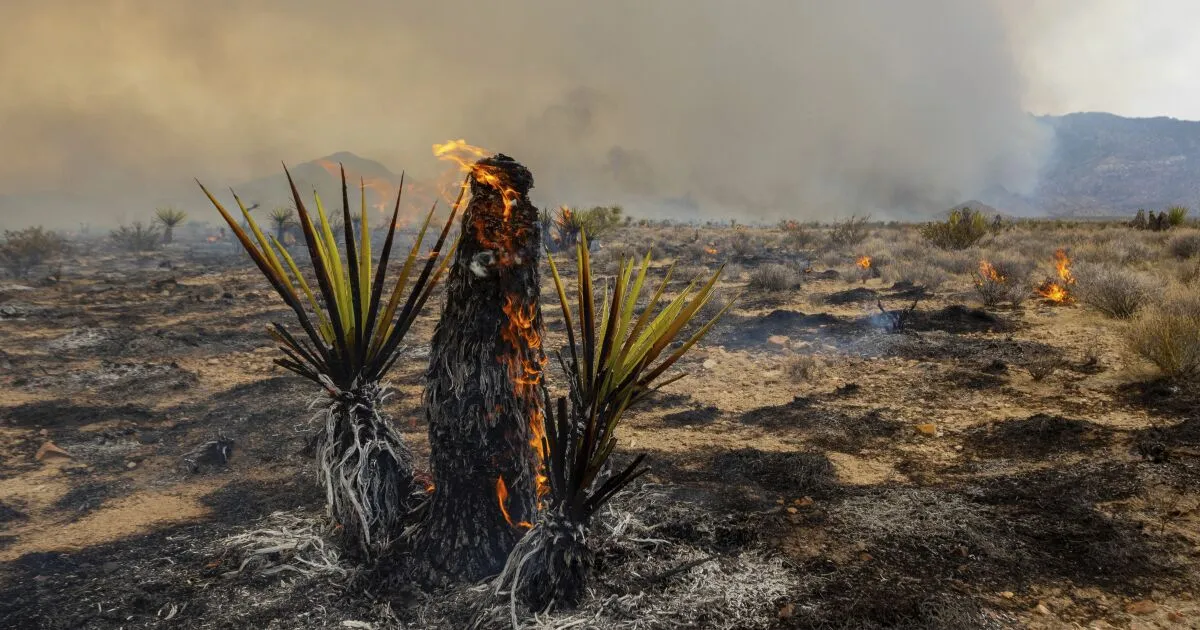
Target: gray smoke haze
[{"x": 758, "y": 110}]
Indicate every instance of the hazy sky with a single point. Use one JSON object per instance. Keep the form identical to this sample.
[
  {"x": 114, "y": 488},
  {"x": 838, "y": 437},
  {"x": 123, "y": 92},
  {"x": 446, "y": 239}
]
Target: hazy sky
[{"x": 769, "y": 108}]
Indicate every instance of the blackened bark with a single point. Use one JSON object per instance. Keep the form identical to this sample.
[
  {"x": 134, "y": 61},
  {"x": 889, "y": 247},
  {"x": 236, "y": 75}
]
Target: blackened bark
[{"x": 484, "y": 380}]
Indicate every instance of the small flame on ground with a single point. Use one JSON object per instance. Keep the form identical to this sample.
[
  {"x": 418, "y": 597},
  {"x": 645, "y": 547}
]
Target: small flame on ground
[
  {"x": 213, "y": 239},
  {"x": 712, "y": 251},
  {"x": 1057, "y": 290},
  {"x": 864, "y": 262}
]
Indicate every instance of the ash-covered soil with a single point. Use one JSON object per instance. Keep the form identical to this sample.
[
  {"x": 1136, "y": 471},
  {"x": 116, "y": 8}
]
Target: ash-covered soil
[{"x": 819, "y": 467}]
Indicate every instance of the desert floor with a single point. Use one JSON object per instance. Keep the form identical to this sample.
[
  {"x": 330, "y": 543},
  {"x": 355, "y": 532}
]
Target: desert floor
[{"x": 1008, "y": 467}]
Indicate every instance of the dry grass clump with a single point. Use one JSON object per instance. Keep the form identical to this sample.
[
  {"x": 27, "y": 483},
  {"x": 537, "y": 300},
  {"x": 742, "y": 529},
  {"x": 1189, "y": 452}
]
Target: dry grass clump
[
  {"x": 1003, "y": 279},
  {"x": 803, "y": 367},
  {"x": 1185, "y": 245},
  {"x": 955, "y": 262},
  {"x": 1167, "y": 333},
  {"x": 1115, "y": 291},
  {"x": 918, "y": 273},
  {"x": 774, "y": 277}
]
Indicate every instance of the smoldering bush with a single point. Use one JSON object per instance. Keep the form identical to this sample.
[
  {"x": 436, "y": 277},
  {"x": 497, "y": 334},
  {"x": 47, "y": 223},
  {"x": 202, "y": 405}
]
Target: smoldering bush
[{"x": 1003, "y": 279}]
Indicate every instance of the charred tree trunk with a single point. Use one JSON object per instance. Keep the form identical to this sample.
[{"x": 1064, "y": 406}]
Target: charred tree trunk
[{"x": 483, "y": 393}]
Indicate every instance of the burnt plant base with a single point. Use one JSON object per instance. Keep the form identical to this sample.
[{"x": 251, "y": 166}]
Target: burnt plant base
[
  {"x": 550, "y": 566},
  {"x": 366, "y": 471}
]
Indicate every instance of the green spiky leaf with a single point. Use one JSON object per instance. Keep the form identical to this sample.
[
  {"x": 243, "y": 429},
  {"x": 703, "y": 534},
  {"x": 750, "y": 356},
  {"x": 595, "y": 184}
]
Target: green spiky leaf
[
  {"x": 616, "y": 358},
  {"x": 351, "y": 335}
]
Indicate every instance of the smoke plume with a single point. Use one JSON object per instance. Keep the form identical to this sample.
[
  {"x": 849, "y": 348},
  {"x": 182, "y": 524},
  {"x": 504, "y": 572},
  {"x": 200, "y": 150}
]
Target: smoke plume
[{"x": 700, "y": 108}]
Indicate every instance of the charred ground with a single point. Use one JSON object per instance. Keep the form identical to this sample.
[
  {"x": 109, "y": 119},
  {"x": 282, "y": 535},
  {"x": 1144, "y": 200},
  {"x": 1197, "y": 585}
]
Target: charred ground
[{"x": 1003, "y": 467}]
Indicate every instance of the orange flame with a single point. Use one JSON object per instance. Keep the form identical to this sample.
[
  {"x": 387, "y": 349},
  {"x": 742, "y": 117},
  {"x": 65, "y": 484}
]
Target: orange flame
[
  {"x": 467, "y": 156},
  {"x": 1062, "y": 264},
  {"x": 1057, "y": 290},
  {"x": 502, "y": 497},
  {"x": 987, "y": 272},
  {"x": 519, "y": 331},
  {"x": 864, "y": 262},
  {"x": 526, "y": 376},
  {"x": 712, "y": 251}
]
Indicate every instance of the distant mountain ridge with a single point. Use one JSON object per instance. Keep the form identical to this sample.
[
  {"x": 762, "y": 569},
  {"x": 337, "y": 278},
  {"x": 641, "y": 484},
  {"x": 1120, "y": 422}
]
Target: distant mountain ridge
[
  {"x": 323, "y": 176},
  {"x": 1105, "y": 165}
]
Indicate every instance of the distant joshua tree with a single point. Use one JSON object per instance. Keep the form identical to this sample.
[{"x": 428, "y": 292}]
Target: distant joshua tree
[
  {"x": 282, "y": 217},
  {"x": 169, "y": 217}
]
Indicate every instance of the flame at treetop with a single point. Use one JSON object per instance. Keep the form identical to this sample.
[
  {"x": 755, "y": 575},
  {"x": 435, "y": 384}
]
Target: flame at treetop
[
  {"x": 523, "y": 357},
  {"x": 864, "y": 262},
  {"x": 1058, "y": 291},
  {"x": 467, "y": 157}
]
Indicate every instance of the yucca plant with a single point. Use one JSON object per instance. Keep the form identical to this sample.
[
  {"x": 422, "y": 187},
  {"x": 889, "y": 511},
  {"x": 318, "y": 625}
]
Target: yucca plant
[
  {"x": 137, "y": 237},
  {"x": 169, "y": 217},
  {"x": 613, "y": 363},
  {"x": 352, "y": 329},
  {"x": 569, "y": 224},
  {"x": 1176, "y": 215},
  {"x": 282, "y": 217}
]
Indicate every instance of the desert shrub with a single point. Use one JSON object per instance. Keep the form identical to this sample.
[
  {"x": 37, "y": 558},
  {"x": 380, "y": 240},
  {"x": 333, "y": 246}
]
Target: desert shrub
[
  {"x": 22, "y": 250},
  {"x": 959, "y": 262},
  {"x": 831, "y": 259},
  {"x": 137, "y": 237},
  {"x": 918, "y": 273},
  {"x": 802, "y": 367},
  {"x": 773, "y": 277},
  {"x": 1184, "y": 245},
  {"x": 685, "y": 273},
  {"x": 747, "y": 246},
  {"x": 1189, "y": 273},
  {"x": 1167, "y": 334},
  {"x": 1112, "y": 290},
  {"x": 962, "y": 229},
  {"x": 1176, "y": 215},
  {"x": 1041, "y": 367},
  {"x": 1134, "y": 251},
  {"x": 1003, "y": 279},
  {"x": 852, "y": 231},
  {"x": 796, "y": 240},
  {"x": 597, "y": 222}
]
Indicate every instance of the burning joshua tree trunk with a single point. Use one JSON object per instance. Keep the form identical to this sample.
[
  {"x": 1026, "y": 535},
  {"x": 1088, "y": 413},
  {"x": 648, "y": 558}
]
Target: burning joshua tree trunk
[{"x": 484, "y": 385}]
